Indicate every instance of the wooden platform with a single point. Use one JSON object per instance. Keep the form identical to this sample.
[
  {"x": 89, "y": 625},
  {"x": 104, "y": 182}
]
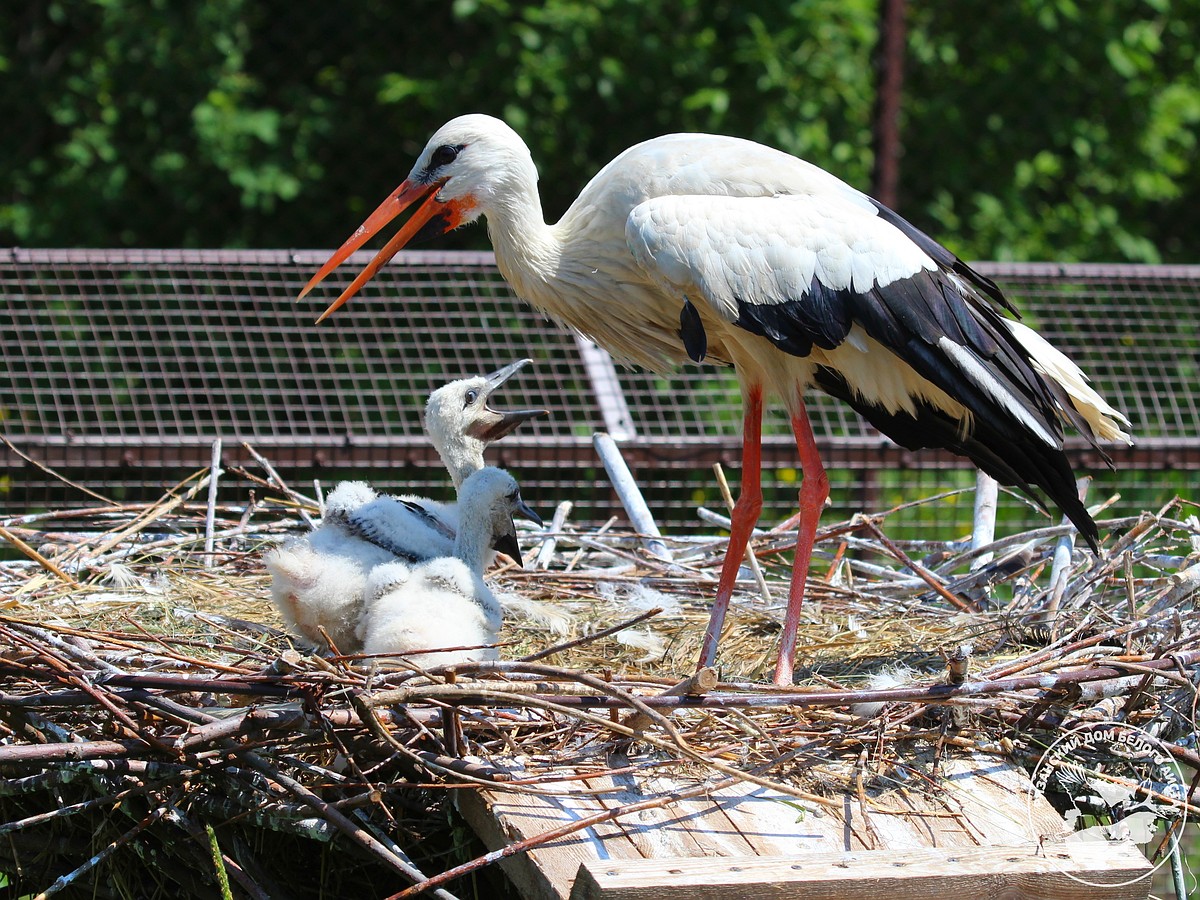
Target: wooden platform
[{"x": 971, "y": 830}]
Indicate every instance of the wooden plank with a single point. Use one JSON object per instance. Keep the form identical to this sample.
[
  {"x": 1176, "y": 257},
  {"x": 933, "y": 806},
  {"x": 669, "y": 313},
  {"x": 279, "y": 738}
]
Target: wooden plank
[
  {"x": 980, "y": 801},
  {"x": 544, "y": 873},
  {"x": 1114, "y": 871},
  {"x": 956, "y": 805}
]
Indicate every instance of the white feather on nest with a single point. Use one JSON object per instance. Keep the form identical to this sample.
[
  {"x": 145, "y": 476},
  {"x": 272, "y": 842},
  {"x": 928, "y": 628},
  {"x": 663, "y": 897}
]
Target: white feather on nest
[
  {"x": 891, "y": 677},
  {"x": 558, "y": 620},
  {"x": 639, "y": 598},
  {"x": 653, "y": 647}
]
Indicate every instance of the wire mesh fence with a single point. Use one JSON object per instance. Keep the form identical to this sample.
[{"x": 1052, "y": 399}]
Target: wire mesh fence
[{"x": 121, "y": 367}]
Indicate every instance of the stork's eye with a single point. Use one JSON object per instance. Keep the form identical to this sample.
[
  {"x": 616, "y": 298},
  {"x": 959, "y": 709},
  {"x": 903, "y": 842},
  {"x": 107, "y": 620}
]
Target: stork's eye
[
  {"x": 471, "y": 397},
  {"x": 444, "y": 155}
]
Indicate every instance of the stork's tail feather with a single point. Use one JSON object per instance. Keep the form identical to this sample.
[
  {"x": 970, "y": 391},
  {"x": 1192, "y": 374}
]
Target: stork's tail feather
[{"x": 1091, "y": 414}]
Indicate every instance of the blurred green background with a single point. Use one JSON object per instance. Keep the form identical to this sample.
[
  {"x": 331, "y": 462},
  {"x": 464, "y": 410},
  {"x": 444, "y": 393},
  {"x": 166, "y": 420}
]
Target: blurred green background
[{"x": 1029, "y": 130}]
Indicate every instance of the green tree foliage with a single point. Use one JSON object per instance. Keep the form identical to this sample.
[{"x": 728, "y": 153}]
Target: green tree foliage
[
  {"x": 1037, "y": 130},
  {"x": 138, "y": 124},
  {"x": 1073, "y": 137}
]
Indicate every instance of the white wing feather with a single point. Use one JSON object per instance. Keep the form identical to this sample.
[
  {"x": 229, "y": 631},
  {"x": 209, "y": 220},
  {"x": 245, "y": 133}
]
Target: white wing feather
[{"x": 767, "y": 250}]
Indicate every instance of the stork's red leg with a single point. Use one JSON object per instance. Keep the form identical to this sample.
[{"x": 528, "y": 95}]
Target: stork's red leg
[
  {"x": 744, "y": 518},
  {"x": 814, "y": 491}
]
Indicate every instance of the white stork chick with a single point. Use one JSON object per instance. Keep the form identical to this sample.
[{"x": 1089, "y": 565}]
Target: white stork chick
[
  {"x": 461, "y": 424},
  {"x": 443, "y": 605},
  {"x": 317, "y": 581},
  {"x": 705, "y": 246}
]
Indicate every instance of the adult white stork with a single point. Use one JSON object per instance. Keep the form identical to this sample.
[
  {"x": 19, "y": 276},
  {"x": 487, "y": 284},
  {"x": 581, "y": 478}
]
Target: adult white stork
[{"x": 710, "y": 247}]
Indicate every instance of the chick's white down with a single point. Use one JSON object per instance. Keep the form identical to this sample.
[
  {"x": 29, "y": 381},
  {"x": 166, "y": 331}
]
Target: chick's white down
[
  {"x": 444, "y": 604},
  {"x": 318, "y": 580}
]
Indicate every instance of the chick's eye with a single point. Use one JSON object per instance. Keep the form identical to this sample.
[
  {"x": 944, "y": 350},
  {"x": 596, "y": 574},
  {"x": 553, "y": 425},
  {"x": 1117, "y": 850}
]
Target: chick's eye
[
  {"x": 444, "y": 155},
  {"x": 471, "y": 397}
]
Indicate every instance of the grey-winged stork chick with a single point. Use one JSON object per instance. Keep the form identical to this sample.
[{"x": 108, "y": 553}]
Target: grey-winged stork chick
[
  {"x": 317, "y": 580},
  {"x": 708, "y": 247},
  {"x": 461, "y": 423},
  {"x": 443, "y": 604}
]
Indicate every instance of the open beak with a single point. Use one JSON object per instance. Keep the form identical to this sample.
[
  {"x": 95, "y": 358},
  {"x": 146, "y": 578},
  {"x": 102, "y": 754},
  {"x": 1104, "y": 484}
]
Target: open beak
[
  {"x": 500, "y": 423},
  {"x": 500, "y": 376},
  {"x": 506, "y": 543},
  {"x": 432, "y": 218}
]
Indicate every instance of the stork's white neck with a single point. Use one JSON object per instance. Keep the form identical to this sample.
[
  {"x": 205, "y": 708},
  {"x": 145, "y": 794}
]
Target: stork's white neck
[
  {"x": 473, "y": 542},
  {"x": 461, "y": 458},
  {"x": 579, "y": 271},
  {"x": 527, "y": 249}
]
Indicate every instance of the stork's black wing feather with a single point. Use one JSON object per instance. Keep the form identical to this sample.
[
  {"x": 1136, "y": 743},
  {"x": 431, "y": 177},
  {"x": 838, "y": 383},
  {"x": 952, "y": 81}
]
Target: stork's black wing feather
[
  {"x": 1008, "y": 456},
  {"x": 910, "y": 317},
  {"x": 943, "y": 257}
]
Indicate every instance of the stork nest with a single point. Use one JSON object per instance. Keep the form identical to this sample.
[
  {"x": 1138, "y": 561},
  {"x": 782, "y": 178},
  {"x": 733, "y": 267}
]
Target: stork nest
[{"x": 161, "y": 735}]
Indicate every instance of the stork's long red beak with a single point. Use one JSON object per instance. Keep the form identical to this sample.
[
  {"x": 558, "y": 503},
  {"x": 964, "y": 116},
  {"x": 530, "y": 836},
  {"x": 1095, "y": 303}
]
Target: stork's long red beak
[{"x": 432, "y": 218}]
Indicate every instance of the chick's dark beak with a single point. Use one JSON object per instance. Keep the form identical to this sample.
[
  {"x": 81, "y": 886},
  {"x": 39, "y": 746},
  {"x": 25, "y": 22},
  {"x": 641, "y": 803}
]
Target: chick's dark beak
[{"x": 507, "y": 544}]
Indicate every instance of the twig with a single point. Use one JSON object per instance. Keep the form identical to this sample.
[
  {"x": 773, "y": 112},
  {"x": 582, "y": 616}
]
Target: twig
[
  {"x": 42, "y": 561},
  {"x": 64, "y": 673},
  {"x": 1003, "y": 670},
  {"x": 51, "y": 472},
  {"x": 109, "y": 800},
  {"x": 983, "y": 529},
  {"x": 475, "y": 692},
  {"x": 611, "y": 695},
  {"x": 603, "y": 529},
  {"x": 696, "y": 684},
  {"x": 546, "y": 551},
  {"x": 251, "y": 721},
  {"x": 169, "y": 503},
  {"x": 338, "y": 819},
  {"x": 727, "y": 496},
  {"x": 327, "y": 810},
  {"x": 282, "y": 485},
  {"x": 215, "y": 473},
  {"x": 65, "y": 880},
  {"x": 1060, "y": 569},
  {"x": 183, "y": 540},
  {"x": 76, "y": 750},
  {"x": 924, "y": 574},
  {"x": 594, "y": 636}
]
